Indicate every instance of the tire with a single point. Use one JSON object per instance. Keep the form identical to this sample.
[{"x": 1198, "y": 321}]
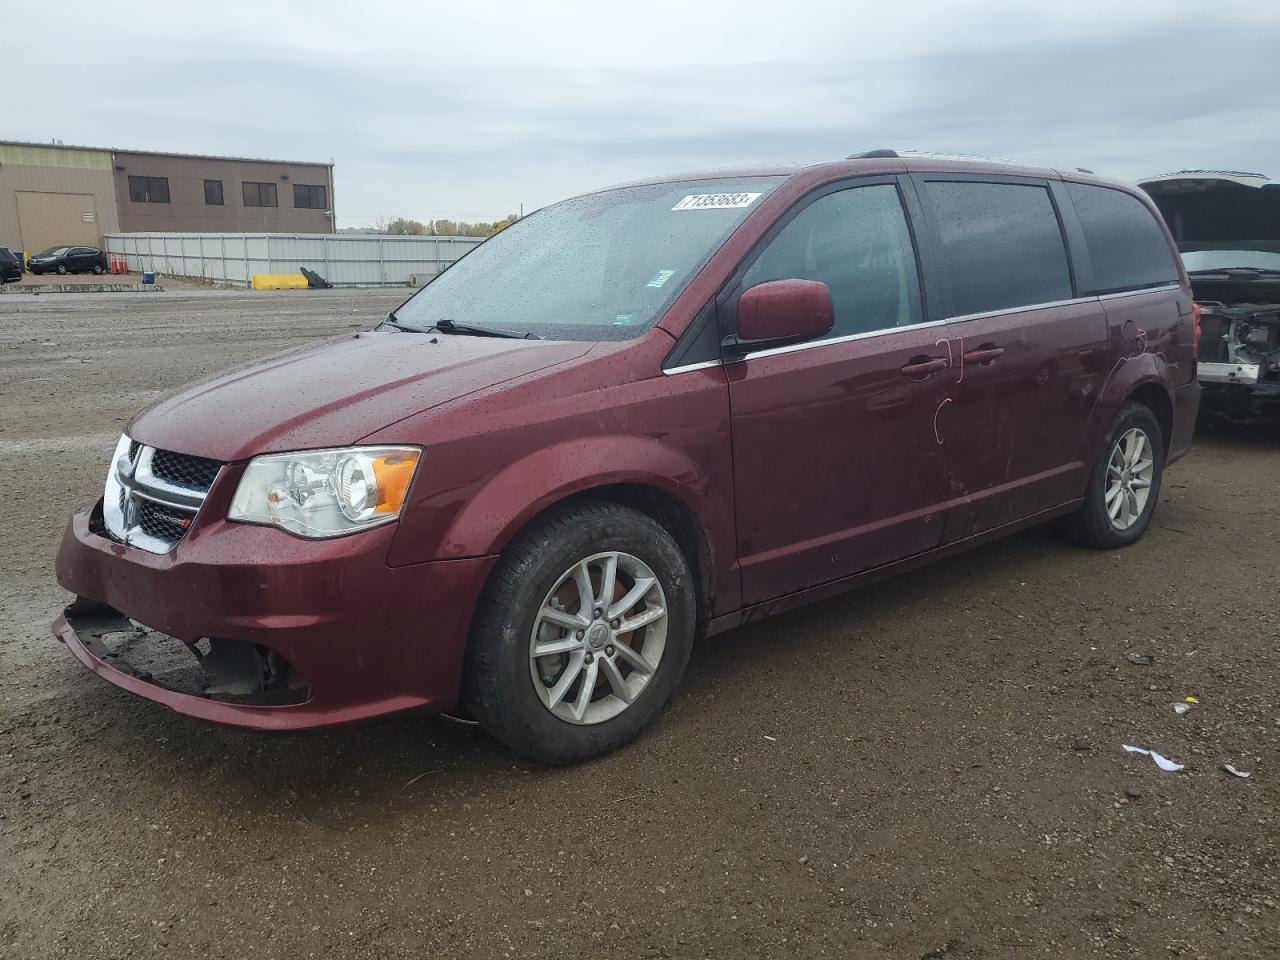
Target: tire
[
  {"x": 509, "y": 691},
  {"x": 1092, "y": 525},
  {"x": 62, "y": 269},
  {"x": 98, "y": 270}
]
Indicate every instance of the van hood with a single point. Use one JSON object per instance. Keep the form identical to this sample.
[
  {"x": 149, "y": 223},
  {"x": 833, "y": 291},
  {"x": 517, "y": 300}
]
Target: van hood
[
  {"x": 1218, "y": 209},
  {"x": 1227, "y": 226},
  {"x": 336, "y": 392}
]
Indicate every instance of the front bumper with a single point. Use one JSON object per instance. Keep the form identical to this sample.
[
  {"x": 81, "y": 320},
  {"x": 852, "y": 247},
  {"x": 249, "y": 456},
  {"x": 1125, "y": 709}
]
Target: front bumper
[
  {"x": 1244, "y": 373},
  {"x": 367, "y": 639}
]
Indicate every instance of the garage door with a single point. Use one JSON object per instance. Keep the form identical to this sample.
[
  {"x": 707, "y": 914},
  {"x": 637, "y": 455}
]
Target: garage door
[{"x": 57, "y": 219}]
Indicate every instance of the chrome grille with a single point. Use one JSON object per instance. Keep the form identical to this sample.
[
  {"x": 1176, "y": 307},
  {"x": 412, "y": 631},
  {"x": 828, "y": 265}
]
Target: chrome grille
[
  {"x": 163, "y": 523},
  {"x": 196, "y": 473},
  {"x": 153, "y": 495}
]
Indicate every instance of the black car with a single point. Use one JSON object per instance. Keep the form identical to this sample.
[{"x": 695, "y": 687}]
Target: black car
[
  {"x": 10, "y": 266},
  {"x": 68, "y": 260}
]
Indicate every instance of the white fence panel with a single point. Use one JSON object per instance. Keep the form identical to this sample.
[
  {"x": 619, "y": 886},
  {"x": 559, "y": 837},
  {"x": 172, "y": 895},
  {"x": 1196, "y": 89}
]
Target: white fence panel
[{"x": 345, "y": 260}]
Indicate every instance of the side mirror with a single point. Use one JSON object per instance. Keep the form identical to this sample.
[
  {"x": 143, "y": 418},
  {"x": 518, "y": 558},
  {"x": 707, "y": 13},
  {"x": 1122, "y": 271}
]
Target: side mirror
[{"x": 780, "y": 312}]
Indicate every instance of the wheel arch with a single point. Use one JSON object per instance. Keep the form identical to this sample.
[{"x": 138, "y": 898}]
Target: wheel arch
[
  {"x": 658, "y": 480},
  {"x": 1142, "y": 379},
  {"x": 1155, "y": 397},
  {"x": 658, "y": 504}
]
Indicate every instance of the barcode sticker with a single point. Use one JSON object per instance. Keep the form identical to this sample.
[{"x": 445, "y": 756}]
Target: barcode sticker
[{"x": 716, "y": 201}]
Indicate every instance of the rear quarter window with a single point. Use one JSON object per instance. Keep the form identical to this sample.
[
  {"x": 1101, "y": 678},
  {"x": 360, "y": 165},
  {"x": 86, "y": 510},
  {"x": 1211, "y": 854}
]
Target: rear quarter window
[
  {"x": 1127, "y": 248},
  {"x": 1001, "y": 244}
]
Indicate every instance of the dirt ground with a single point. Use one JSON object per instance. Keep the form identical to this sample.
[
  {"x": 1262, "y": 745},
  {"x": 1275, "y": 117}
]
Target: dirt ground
[
  {"x": 33, "y": 282},
  {"x": 931, "y": 768}
]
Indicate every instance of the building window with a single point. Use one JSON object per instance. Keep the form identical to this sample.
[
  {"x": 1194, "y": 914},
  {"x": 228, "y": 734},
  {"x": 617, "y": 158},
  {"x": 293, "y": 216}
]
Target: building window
[
  {"x": 259, "y": 194},
  {"x": 213, "y": 193},
  {"x": 149, "y": 189},
  {"x": 309, "y": 197}
]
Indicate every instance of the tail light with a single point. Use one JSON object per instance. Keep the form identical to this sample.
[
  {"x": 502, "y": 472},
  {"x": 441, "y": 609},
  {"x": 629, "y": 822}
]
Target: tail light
[{"x": 1195, "y": 326}]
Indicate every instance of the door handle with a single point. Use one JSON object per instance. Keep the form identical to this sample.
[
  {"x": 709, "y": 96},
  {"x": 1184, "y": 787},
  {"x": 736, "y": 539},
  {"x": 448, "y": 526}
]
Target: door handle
[
  {"x": 921, "y": 367},
  {"x": 984, "y": 355}
]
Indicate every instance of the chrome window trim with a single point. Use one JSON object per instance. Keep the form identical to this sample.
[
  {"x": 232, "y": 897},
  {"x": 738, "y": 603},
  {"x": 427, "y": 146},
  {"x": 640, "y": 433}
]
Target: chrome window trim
[
  {"x": 1006, "y": 311},
  {"x": 1164, "y": 287},
  {"x": 847, "y": 338},
  {"x": 688, "y": 367},
  {"x": 962, "y": 318}
]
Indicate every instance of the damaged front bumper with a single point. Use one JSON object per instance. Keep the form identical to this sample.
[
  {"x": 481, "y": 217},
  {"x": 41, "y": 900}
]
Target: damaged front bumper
[
  {"x": 1240, "y": 360},
  {"x": 249, "y": 627},
  {"x": 199, "y": 679},
  {"x": 1242, "y": 373}
]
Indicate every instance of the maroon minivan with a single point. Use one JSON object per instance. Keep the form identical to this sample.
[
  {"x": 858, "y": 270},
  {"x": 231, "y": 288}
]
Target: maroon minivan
[{"x": 642, "y": 415}]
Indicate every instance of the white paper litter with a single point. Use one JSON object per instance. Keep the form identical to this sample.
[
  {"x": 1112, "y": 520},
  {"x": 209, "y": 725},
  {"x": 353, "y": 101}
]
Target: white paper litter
[
  {"x": 1164, "y": 763},
  {"x": 1242, "y": 774},
  {"x": 1181, "y": 708}
]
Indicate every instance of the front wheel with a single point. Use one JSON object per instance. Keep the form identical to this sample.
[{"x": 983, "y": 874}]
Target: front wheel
[
  {"x": 99, "y": 269},
  {"x": 62, "y": 269},
  {"x": 582, "y": 636},
  {"x": 1124, "y": 485}
]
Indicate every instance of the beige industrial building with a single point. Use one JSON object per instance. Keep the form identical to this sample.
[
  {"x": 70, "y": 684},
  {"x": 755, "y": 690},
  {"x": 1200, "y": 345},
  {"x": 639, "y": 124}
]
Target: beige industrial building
[
  {"x": 52, "y": 195},
  {"x": 55, "y": 195}
]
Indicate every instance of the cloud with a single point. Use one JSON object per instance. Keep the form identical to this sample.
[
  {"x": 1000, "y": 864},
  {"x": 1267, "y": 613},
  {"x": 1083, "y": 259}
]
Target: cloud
[{"x": 467, "y": 111}]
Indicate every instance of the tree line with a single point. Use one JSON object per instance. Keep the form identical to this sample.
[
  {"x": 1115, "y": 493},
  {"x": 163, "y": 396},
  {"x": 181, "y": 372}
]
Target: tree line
[{"x": 407, "y": 227}]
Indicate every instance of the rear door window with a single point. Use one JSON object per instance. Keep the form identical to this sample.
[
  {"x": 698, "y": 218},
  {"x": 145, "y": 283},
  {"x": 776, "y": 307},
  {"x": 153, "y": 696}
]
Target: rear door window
[
  {"x": 1002, "y": 245},
  {"x": 1127, "y": 248},
  {"x": 857, "y": 242}
]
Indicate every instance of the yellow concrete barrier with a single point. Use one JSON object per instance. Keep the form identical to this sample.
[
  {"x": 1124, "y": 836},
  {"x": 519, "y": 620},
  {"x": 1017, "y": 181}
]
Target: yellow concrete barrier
[{"x": 279, "y": 281}]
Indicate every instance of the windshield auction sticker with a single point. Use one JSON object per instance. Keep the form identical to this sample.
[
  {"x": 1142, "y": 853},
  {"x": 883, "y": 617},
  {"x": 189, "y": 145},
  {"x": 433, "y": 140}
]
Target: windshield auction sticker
[{"x": 716, "y": 201}]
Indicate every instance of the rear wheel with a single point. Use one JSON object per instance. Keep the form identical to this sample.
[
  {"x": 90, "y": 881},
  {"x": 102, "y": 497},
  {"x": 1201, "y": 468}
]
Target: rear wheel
[
  {"x": 582, "y": 636},
  {"x": 1124, "y": 485},
  {"x": 98, "y": 270}
]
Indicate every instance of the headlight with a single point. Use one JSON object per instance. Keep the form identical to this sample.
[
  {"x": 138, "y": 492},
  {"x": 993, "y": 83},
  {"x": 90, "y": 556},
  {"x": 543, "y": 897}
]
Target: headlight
[{"x": 326, "y": 493}]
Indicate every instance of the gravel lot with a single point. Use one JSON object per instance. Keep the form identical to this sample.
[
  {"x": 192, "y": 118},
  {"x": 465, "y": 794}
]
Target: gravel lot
[{"x": 931, "y": 768}]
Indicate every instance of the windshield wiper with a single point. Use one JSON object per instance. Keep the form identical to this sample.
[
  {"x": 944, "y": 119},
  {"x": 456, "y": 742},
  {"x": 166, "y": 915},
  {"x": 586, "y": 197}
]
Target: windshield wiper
[
  {"x": 448, "y": 326},
  {"x": 393, "y": 321}
]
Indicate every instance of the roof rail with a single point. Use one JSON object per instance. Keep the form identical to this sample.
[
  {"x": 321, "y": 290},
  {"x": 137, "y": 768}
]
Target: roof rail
[
  {"x": 874, "y": 155},
  {"x": 978, "y": 158}
]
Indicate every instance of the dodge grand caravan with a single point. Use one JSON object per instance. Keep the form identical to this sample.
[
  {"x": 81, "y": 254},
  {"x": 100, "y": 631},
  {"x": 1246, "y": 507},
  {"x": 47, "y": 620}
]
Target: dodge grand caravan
[{"x": 642, "y": 415}]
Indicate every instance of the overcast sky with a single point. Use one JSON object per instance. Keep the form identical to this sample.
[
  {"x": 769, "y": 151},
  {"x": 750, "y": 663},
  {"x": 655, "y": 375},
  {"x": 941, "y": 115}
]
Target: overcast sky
[{"x": 468, "y": 108}]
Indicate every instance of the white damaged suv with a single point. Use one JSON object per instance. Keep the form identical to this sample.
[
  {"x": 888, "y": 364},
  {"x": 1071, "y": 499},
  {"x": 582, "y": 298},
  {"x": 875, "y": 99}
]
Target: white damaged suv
[{"x": 1227, "y": 227}]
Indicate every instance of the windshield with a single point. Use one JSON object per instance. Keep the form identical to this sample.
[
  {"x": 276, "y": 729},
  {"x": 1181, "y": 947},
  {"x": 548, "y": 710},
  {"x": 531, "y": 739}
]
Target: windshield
[
  {"x": 53, "y": 252},
  {"x": 1201, "y": 260},
  {"x": 600, "y": 267}
]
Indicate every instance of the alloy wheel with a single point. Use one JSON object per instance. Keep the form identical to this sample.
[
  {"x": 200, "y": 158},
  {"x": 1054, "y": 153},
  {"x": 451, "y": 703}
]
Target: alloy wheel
[
  {"x": 598, "y": 638},
  {"x": 1130, "y": 471}
]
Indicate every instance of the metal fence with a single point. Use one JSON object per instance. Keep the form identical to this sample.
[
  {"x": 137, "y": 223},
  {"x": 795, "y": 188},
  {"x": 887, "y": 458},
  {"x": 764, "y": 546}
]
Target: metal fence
[{"x": 342, "y": 259}]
